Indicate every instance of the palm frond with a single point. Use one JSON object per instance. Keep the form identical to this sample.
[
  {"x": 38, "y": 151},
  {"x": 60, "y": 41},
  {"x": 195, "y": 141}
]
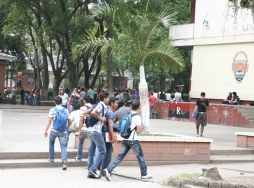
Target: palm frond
[{"x": 167, "y": 55}]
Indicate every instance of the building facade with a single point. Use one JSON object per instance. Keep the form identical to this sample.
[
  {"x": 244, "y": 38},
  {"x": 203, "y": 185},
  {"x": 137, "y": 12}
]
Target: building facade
[{"x": 222, "y": 44}]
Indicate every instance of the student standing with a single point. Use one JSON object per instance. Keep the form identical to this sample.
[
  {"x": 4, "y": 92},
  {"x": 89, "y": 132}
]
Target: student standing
[
  {"x": 64, "y": 97},
  {"x": 59, "y": 117},
  {"x": 13, "y": 93},
  {"x": 90, "y": 92},
  {"x": 74, "y": 99},
  {"x": 202, "y": 105},
  {"x": 83, "y": 127},
  {"x": 131, "y": 143},
  {"x": 96, "y": 139},
  {"x": 82, "y": 94},
  {"x": 152, "y": 100},
  {"x": 22, "y": 95}
]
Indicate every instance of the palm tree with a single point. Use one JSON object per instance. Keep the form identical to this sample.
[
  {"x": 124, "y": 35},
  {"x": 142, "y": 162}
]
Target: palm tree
[{"x": 139, "y": 42}]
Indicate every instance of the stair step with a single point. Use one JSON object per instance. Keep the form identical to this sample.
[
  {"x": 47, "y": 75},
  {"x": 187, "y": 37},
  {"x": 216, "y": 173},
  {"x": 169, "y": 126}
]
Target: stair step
[
  {"x": 243, "y": 107},
  {"x": 246, "y": 110},
  {"x": 248, "y": 114},
  {"x": 39, "y": 163},
  {"x": 249, "y": 117},
  {"x": 231, "y": 158},
  {"x": 37, "y": 155},
  {"x": 232, "y": 152}
]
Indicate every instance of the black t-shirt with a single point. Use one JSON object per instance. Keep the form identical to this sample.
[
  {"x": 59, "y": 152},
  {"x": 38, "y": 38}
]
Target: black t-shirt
[
  {"x": 201, "y": 108},
  {"x": 162, "y": 96}
]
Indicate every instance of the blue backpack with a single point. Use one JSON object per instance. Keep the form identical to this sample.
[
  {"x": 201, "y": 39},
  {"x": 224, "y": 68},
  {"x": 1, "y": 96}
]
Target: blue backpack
[
  {"x": 60, "y": 120},
  {"x": 125, "y": 126},
  {"x": 92, "y": 120}
]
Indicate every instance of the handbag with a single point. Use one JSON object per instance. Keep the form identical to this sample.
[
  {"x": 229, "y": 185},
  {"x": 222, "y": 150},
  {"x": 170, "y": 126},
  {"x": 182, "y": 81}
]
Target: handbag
[
  {"x": 195, "y": 114},
  {"x": 74, "y": 127}
]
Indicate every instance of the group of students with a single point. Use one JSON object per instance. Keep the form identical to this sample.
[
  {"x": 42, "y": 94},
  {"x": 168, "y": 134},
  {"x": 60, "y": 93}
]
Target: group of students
[
  {"x": 99, "y": 122},
  {"x": 179, "y": 97},
  {"x": 35, "y": 97},
  {"x": 233, "y": 100}
]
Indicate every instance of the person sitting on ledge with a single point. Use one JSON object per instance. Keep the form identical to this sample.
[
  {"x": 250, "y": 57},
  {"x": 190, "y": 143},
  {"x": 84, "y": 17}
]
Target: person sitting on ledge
[
  {"x": 228, "y": 99},
  {"x": 235, "y": 100}
]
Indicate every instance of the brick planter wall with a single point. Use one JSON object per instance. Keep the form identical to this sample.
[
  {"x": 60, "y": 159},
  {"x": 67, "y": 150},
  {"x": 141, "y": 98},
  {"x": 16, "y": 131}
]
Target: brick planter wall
[{"x": 245, "y": 141}]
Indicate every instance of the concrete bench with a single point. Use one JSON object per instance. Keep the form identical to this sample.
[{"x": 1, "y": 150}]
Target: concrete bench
[
  {"x": 86, "y": 142},
  {"x": 245, "y": 139}
]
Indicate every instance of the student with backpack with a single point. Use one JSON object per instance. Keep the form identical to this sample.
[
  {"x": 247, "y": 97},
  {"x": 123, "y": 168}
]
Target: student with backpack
[
  {"x": 130, "y": 127},
  {"x": 108, "y": 130},
  {"x": 83, "y": 125},
  {"x": 59, "y": 116},
  {"x": 96, "y": 121}
]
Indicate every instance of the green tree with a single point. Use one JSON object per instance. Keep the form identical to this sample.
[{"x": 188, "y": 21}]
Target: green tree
[
  {"x": 238, "y": 4},
  {"x": 140, "y": 42}
]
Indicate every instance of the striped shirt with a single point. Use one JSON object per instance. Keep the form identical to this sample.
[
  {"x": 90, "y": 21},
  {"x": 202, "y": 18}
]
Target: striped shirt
[
  {"x": 98, "y": 126},
  {"x": 52, "y": 114}
]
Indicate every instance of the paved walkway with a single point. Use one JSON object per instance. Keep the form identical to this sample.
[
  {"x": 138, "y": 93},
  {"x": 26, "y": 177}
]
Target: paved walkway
[{"x": 23, "y": 128}]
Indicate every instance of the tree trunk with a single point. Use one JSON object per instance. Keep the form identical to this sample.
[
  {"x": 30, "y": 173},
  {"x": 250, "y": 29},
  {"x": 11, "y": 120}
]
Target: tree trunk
[
  {"x": 251, "y": 2},
  {"x": 45, "y": 77},
  {"x": 56, "y": 88},
  {"x": 144, "y": 101},
  {"x": 98, "y": 68},
  {"x": 38, "y": 69},
  {"x": 212, "y": 173},
  {"x": 109, "y": 64}
]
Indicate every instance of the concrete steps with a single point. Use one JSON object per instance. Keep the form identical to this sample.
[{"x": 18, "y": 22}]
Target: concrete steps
[
  {"x": 247, "y": 112},
  {"x": 232, "y": 152},
  {"x": 39, "y": 163}
]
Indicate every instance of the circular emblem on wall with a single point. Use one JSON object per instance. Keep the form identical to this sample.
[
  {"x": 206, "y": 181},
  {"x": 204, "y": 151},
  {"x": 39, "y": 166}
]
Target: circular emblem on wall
[{"x": 240, "y": 66}]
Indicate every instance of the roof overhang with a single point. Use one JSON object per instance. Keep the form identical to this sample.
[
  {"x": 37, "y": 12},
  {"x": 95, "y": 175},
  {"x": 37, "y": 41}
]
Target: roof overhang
[{"x": 7, "y": 57}]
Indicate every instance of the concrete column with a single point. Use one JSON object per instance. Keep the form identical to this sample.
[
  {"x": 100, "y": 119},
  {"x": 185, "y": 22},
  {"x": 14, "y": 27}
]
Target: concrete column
[{"x": 2, "y": 76}]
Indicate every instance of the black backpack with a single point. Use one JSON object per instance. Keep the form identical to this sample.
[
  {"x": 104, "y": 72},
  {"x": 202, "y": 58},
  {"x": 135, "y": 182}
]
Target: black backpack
[
  {"x": 92, "y": 120},
  {"x": 85, "y": 118}
]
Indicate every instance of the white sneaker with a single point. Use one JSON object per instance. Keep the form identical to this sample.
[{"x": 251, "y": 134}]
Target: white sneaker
[
  {"x": 106, "y": 174},
  {"x": 51, "y": 160},
  {"x": 148, "y": 176},
  {"x": 197, "y": 135},
  {"x": 76, "y": 158}
]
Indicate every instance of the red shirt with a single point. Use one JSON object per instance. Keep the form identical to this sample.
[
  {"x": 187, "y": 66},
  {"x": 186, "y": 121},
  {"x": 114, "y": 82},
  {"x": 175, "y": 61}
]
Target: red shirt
[
  {"x": 31, "y": 94},
  {"x": 152, "y": 100},
  {"x": 86, "y": 90}
]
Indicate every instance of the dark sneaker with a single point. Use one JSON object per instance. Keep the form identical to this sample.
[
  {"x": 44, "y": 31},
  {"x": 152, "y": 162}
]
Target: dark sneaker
[
  {"x": 106, "y": 174},
  {"x": 201, "y": 136},
  {"x": 93, "y": 175},
  {"x": 64, "y": 166},
  {"x": 51, "y": 160},
  {"x": 148, "y": 176}
]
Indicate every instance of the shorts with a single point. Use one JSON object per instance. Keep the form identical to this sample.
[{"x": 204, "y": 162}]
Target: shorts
[{"x": 201, "y": 119}]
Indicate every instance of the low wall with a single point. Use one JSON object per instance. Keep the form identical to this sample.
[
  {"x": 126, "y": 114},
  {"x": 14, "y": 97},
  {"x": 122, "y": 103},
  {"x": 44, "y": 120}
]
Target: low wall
[
  {"x": 217, "y": 114},
  {"x": 245, "y": 140}
]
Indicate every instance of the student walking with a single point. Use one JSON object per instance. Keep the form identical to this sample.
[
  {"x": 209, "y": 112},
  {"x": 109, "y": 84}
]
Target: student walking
[
  {"x": 131, "y": 143},
  {"x": 96, "y": 139},
  {"x": 108, "y": 129},
  {"x": 83, "y": 127},
  {"x": 119, "y": 114},
  {"x": 202, "y": 105},
  {"x": 59, "y": 116}
]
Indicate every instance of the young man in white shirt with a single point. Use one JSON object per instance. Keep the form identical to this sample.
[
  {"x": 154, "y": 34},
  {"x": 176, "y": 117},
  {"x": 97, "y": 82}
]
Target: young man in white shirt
[
  {"x": 131, "y": 143},
  {"x": 83, "y": 127},
  {"x": 55, "y": 133},
  {"x": 178, "y": 96}
]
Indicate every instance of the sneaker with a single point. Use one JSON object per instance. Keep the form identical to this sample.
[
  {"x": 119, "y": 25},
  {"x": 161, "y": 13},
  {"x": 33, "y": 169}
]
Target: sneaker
[
  {"x": 147, "y": 176},
  {"x": 76, "y": 158},
  {"x": 201, "y": 136},
  {"x": 64, "y": 166},
  {"x": 197, "y": 135},
  {"x": 51, "y": 160},
  {"x": 106, "y": 174},
  {"x": 93, "y": 175}
]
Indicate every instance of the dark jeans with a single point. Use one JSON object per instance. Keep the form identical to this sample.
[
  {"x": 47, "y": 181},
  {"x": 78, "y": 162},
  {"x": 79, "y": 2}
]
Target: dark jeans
[
  {"x": 65, "y": 106},
  {"x": 136, "y": 148},
  {"x": 13, "y": 100},
  {"x": 22, "y": 100},
  {"x": 31, "y": 101},
  {"x": 38, "y": 102},
  {"x": 107, "y": 157},
  {"x": 1, "y": 100}
]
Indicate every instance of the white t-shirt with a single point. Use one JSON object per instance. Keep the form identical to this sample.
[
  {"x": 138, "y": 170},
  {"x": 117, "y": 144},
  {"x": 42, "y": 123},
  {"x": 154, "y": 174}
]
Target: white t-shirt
[
  {"x": 83, "y": 109},
  {"x": 178, "y": 96},
  {"x": 168, "y": 96},
  {"x": 75, "y": 117},
  {"x": 156, "y": 95},
  {"x": 136, "y": 120}
]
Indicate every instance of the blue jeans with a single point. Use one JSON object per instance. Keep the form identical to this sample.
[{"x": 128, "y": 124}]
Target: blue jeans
[
  {"x": 80, "y": 145},
  {"x": 62, "y": 139},
  {"x": 31, "y": 101},
  {"x": 95, "y": 140},
  {"x": 136, "y": 148},
  {"x": 116, "y": 127},
  {"x": 107, "y": 157},
  {"x": 71, "y": 108},
  {"x": 150, "y": 111},
  {"x": 234, "y": 103},
  {"x": 13, "y": 99}
]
